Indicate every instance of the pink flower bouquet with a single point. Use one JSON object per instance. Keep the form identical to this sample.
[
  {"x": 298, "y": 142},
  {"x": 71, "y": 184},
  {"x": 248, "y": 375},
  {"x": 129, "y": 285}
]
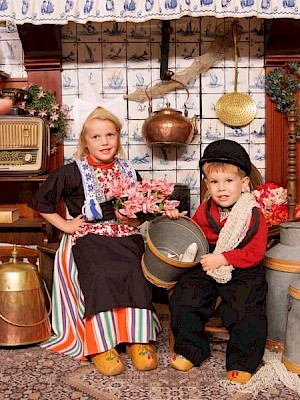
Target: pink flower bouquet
[{"x": 147, "y": 199}]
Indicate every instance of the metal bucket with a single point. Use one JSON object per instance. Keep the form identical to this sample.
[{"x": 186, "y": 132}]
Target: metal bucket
[
  {"x": 282, "y": 264},
  {"x": 23, "y": 315},
  {"x": 291, "y": 354},
  {"x": 171, "y": 237}
]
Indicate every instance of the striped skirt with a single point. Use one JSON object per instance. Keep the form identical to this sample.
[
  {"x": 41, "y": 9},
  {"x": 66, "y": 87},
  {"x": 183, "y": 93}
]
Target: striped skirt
[{"x": 79, "y": 337}]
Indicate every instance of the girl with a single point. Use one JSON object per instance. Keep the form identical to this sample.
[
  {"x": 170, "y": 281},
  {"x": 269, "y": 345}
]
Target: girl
[{"x": 104, "y": 248}]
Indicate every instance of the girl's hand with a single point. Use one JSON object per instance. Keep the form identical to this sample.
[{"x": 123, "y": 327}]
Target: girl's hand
[
  {"x": 135, "y": 222},
  {"x": 77, "y": 224},
  {"x": 210, "y": 262},
  {"x": 175, "y": 214}
]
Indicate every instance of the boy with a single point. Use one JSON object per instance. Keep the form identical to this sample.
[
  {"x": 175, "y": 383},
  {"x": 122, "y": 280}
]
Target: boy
[{"x": 237, "y": 234}]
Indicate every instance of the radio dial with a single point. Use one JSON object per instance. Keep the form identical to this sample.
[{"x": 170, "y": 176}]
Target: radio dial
[{"x": 28, "y": 158}]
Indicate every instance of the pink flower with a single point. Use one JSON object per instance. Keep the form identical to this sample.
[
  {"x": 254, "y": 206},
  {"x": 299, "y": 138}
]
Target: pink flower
[
  {"x": 148, "y": 197},
  {"x": 41, "y": 94},
  {"x": 43, "y": 113}
]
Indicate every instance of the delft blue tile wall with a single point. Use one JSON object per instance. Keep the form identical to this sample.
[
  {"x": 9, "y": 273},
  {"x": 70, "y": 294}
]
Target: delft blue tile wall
[{"x": 119, "y": 58}]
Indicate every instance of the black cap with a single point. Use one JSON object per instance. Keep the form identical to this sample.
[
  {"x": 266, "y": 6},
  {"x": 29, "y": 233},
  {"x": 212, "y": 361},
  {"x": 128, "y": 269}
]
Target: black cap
[{"x": 228, "y": 152}]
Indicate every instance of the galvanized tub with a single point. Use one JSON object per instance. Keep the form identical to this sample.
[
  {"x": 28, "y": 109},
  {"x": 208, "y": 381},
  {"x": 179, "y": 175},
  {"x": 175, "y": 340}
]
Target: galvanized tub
[
  {"x": 291, "y": 354},
  {"x": 171, "y": 237},
  {"x": 282, "y": 264}
]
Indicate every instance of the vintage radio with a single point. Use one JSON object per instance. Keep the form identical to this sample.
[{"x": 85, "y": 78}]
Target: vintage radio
[{"x": 24, "y": 145}]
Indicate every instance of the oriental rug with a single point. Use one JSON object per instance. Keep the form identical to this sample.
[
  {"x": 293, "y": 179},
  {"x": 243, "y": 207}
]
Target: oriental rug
[{"x": 33, "y": 373}]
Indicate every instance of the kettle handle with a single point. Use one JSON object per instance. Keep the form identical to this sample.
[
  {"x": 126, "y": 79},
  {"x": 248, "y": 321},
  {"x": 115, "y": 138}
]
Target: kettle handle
[
  {"x": 35, "y": 323},
  {"x": 168, "y": 77}
]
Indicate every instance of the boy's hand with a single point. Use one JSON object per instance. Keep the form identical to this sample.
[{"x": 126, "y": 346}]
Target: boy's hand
[
  {"x": 210, "y": 262},
  {"x": 175, "y": 214}
]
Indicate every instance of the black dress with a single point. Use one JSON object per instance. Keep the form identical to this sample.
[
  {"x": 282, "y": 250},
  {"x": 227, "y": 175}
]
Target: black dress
[{"x": 109, "y": 268}]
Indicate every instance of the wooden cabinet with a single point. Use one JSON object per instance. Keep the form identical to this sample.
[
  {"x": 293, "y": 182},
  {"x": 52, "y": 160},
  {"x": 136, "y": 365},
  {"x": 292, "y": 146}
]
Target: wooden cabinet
[{"x": 42, "y": 59}]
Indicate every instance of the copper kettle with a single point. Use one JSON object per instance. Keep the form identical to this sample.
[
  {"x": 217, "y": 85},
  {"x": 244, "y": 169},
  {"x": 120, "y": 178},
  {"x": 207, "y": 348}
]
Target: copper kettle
[
  {"x": 23, "y": 315},
  {"x": 169, "y": 126}
]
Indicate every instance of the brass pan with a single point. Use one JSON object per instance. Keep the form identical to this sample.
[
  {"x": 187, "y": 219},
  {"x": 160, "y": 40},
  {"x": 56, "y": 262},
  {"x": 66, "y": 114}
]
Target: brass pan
[{"x": 236, "y": 109}]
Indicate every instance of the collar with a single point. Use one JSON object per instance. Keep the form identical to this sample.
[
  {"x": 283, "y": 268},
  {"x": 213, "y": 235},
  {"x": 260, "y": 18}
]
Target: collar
[{"x": 99, "y": 164}]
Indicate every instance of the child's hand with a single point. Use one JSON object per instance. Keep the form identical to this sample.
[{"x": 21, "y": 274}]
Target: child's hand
[
  {"x": 210, "y": 262},
  {"x": 175, "y": 214},
  {"x": 77, "y": 224},
  {"x": 135, "y": 222}
]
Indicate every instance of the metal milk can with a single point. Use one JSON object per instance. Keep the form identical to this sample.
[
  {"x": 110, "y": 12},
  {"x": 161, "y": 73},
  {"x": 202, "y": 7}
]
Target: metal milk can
[
  {"x": 24, "y": 318},
  {"x": 282, "y": 264},
  {"x": 291, "y": 354}
]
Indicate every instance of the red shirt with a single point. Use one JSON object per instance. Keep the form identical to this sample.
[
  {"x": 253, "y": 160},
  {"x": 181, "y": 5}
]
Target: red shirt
[{"x": 251, "y": 254}]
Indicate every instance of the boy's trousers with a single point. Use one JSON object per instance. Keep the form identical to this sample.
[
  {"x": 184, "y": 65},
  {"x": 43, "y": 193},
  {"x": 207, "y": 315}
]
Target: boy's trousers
[{"x": 242, "y": 311}]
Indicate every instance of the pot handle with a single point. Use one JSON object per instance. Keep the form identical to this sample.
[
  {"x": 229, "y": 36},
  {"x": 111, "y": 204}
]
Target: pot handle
[
  {"x": 168, "y": 77},
  {"x": 35, "y": 323}
]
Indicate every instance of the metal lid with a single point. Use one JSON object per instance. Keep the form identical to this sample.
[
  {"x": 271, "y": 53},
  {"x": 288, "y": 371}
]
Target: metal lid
[{"x": 17, "y": 275}]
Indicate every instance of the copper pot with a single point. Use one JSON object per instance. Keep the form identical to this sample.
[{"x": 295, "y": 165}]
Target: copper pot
[
  {"x": 169, "y": 126},
  {"x": 23, "y": 315}
]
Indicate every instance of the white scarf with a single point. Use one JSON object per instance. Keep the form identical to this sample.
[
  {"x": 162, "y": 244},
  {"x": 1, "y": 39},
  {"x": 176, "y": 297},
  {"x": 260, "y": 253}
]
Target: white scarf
[{"x": 232, "y": 233}]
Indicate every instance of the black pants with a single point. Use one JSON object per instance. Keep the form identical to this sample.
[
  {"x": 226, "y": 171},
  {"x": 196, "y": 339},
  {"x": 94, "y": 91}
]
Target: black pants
[{"x": 242, "y": 311}]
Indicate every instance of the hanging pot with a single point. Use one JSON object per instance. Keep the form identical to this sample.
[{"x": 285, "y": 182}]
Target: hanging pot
[
  {"x": 23, "y": 315},
  {"x": 236, "y": 109},
  {"x": 169, "y": 126}
]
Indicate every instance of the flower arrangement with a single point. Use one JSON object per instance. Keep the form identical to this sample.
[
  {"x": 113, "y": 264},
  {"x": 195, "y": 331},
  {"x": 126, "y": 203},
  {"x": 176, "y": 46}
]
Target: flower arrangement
[
  {"x": 272, "y": 200},
  {"x": 147, "y": 199},
  {"x": 282, "y": 85},
  {"x": 40, "y": 102}
]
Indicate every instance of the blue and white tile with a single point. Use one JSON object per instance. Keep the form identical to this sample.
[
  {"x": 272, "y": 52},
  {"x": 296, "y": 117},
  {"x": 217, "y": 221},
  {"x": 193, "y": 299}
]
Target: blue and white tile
[
  {"x": 113, "y": 32},
  {"x": 137, "y": 110},
  {"x": 114, "y": 80},
  {"x": 89, "y": 32},
  {"x": 14, "y": 71},
  {"x": 190, "y": 158},
  {"x": 191, "y": 178},
  {"x": 135, "y": 132},
  {"x": 69, "y": 32},
  {"x": 211, "y": 130},
  {"x": 146, "y": 175},
  {"x": 169, "y": 176},
  {"x": 259, "y": 99},
  {"x": 69, "y": 81},
  {"x": 164, "y": 158},
  {"x": 242, "y": 81},
  {"x": 9, "y": 31},
  {"x": 187, "y": 29},
  {"x": 245, "y": 25},
  {"x": 138, "y": 79},
  {"x": 141, "y": 156},
  {"x": 69, "y": 55},
  {"x": 72, "y": 136},
  {"x": 113, "y": 55},
  {"x": 257, "y": 131},
  {"x": 213, "y": 81},
  {"x": 256, "y": 55},
  {"x": 89, "y": 55},
  {"x": 257, "y": 155},
  {"x": 68, "y": 100},
  {"x": 155, "y": 55},
  {"x": 138, "y": 55},
  {"x": 209, "y": 101},
  {"x": 89, "y": 80},
  {"x": 137, "y": 32},
  {"x": 257, "y": 80},
  {"x": 208, "y": 28},
  {"x": 257, "y": 29},
  {"x": 186, "y": 53},
  {"x": 161, "y": 103},
  {"x": 192, "y": 103},
  {"x": 243, "y": 49},
  {"x": 194, "y": 85},
  {"x": 11, "y": 52},
  {"x": 238, "y": 134},
  {"x": 194, "y": 203},
  {"x": 156, "y": 30},
  {"x": 124, "y": 132},
  {"x": 69, "y": 150}
]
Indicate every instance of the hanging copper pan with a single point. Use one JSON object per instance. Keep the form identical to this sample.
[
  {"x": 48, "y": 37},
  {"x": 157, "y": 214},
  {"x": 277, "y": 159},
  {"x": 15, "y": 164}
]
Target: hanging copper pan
[{"x": 236, "y": 109}]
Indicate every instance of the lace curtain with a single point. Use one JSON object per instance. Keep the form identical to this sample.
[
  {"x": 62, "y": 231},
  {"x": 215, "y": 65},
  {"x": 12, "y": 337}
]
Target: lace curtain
[{"x": 81, "y": 11}]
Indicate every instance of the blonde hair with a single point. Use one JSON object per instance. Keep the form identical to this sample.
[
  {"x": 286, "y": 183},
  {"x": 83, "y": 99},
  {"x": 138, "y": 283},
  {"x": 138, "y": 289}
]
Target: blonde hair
[
  {"x": 102, "y": 114},
  {"x": 210, "y": 167}
]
